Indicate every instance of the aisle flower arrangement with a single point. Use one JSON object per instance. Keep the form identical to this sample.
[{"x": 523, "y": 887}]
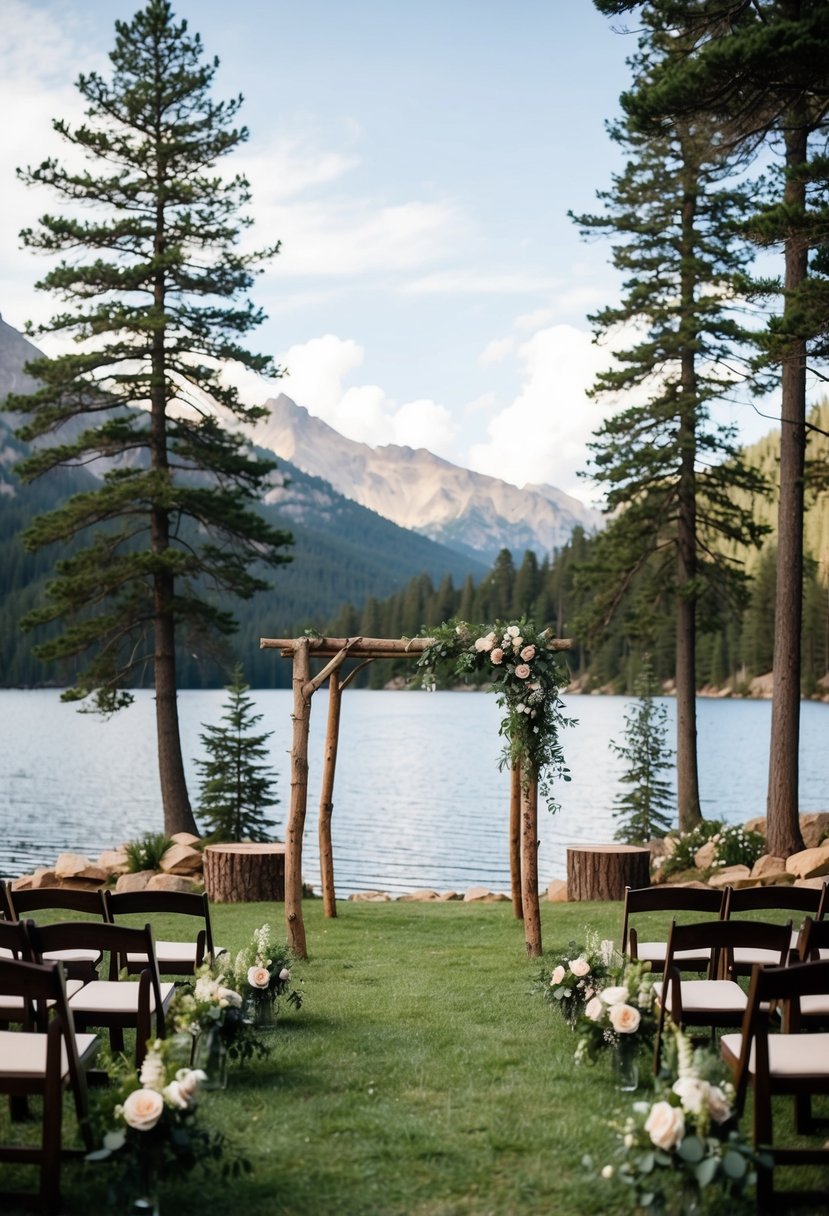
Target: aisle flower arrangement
[
  {"x": 619, "y": 1015},
  {"x": 150, "y": 1126},
  {"x": 518, "y": 661},
  {"x": 686, "y": 1139},
  {"x": 261, "y": 974},
  {"x": 571, "y": 978}
]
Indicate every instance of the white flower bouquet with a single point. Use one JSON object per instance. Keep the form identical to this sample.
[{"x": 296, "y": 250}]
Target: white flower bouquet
[
  {"x": 619, "y": 1015},
  {"x": 261, "y": 974},
  {"x": 686, "y": 1139},
  {"x": 572, "y": 977}
]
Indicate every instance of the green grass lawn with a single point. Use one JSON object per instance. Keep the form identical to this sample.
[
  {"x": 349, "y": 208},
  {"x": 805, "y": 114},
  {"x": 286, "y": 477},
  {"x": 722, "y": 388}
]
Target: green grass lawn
[{"x": 421, "y": 1077}]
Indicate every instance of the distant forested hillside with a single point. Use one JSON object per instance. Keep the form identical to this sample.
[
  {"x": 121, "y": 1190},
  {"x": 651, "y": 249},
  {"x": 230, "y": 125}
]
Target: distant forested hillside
[{"x": 735, "y": 643}]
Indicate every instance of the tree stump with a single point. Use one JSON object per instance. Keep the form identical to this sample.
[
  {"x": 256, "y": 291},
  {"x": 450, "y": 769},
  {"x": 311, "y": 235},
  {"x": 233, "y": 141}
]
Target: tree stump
[
  {"x": 244, "y": 873},
  {"x": 602, "y": 871}
]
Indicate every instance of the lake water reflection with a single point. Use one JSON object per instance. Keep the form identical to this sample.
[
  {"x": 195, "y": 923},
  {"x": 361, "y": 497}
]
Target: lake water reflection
[{"x": 419, "y": 799}]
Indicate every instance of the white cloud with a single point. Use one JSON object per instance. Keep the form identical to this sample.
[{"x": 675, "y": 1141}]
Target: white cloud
[
  {"x": 541, "y": 435},
  {"x": 496, "y": 351},
  {"x": 365, "y": 413},
  {"x": 473, "y": 282},
  {"x": 534, "y": 320}
]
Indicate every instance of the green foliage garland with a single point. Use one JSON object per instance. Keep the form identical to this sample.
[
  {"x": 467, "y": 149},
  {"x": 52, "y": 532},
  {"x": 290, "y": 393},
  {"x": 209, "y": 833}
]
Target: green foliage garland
[{"x": 517, "y": 661}]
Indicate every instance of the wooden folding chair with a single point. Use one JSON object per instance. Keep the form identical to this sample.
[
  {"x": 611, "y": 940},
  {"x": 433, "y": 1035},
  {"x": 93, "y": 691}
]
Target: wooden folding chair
[
  {"x": 78, "y": 964},
  {"x": 15, "y": 944},
  {"x": 806, "y": 901},
  {"x": 718, "y": 1000},
  {"x": 174, "y": 957},
  {"x": 668, "y": 900},
  {"x": 115, "y": 1003},
  {"x": 813, "y": 944},
  {"x": 792, "y": 1063},
  {"x": 44, "y": 1064}
]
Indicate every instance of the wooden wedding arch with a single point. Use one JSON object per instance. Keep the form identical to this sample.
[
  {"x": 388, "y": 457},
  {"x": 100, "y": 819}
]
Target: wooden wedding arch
[{"x": 523, "y": 821}]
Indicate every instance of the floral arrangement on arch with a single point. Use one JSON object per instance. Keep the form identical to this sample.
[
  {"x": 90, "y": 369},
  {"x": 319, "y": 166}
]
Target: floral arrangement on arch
[
  {"x": 518, "y": 661},
  {"x": 620, "y": 1014},
  {"x": 686, "y": 1139},
  {"x": 571, "y": 978},
  {"x": 149, "y": 1123}
]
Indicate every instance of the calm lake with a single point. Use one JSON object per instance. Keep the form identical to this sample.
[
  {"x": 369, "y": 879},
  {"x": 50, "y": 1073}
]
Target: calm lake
[{"x": 419, "y": 799}]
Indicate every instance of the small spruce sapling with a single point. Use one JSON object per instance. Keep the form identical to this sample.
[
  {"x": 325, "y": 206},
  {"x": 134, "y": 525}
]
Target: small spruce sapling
[
  {"x": 236, "y": 788},
  {"x": 646, "y": 807}
]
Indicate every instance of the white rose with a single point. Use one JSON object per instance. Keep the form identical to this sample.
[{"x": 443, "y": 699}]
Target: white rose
[
  {"x": 624, "y": 1019},
  {"x": 665, "y": 1125},
  {"x": 615, "y": 994},
  {"x": 719, "y": 1107},
  {"x": 593, "y": 1009},
  {"x": 693, "y": 1093},
  {"x": 513, "y": 631},
  {"x": 142, "y": 1109},
  {"x": 174, "y": 1095},
  {"x": 607, "y": 1171},
  {"x": 259, "y": 977},
  {"x": 558, "y": 975},
  {"x": 229, "y": 997},
  {"x": 579, "y": 966},
  {"x": 284, "y": 974}
]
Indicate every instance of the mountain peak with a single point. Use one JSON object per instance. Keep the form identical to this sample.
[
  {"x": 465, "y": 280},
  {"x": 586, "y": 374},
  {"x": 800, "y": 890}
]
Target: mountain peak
[{"x": 415, "y": 488}]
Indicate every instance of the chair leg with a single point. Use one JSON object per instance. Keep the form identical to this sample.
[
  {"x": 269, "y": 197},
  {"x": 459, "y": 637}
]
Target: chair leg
[{"x": 804, "y": 1124}]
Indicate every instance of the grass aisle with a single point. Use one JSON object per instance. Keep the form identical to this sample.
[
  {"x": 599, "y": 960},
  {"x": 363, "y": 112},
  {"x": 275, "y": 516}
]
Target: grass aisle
[{"x": 420, "y": 1078}]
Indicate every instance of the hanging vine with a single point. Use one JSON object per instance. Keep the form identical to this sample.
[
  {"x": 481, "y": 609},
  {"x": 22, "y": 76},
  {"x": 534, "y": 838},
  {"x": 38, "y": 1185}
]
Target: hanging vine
[{"x": 518, "y": 663}]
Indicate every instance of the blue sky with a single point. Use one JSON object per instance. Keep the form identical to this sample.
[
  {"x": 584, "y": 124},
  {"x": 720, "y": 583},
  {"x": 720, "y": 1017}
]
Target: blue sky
[{"x": 417, "y": 161}]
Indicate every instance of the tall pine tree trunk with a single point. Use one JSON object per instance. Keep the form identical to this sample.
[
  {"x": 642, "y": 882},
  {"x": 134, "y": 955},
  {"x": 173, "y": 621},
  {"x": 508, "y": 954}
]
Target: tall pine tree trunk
[
  {"x": 782, "y": 808},
  {"x": 687, "y": 778}
]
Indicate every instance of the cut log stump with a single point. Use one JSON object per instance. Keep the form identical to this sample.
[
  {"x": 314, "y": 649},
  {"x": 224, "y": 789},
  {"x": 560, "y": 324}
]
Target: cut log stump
[
  {"x": 244, "y": 872},
  {"x": 602, "y": 871}
]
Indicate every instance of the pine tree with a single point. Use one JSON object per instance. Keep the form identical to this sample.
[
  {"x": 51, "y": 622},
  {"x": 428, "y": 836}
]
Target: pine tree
[
  {"x": 153, "y": 281},
  {"x": 236, "y": 788},
  {"x": 647, "y": 808},
  {"x": 668, "y": 468},
  {"x": 759, "y": 70}
]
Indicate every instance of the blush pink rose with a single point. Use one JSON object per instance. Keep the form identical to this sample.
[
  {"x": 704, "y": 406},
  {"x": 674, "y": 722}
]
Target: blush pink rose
[
  {"x": 558, "y": 975},
  {"x": 624, "y": 1019},
  {"x": 522, "y": 671},
  {"x": 143, "y": 1108},
  {"x": 580, "y": 966},
  {"x": 665, "y": 1125},
  {"x": 593, "y": 1009},
  {"x": 259, "y": 977},
  {"x": 528, "y": 653},
  {"x": 497, "y": 655}
]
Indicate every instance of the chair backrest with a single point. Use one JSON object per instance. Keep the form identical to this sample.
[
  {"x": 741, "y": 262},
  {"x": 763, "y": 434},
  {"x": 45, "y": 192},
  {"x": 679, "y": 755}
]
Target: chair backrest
[
  {"x": 41, "y": 984},
  {"x": 669, "y": 899},
  {"x": 178, "y": 903},
  {"x": 721, "y": 937},
  {"x": 14, "y": 941},
  {"x": 810, "y": 900},
  {"x": 814, "y": 936},
  {"x": 116, "y": 940},
  {"x": 43, "y": 899},
  {"x": 6, "y": 909}
]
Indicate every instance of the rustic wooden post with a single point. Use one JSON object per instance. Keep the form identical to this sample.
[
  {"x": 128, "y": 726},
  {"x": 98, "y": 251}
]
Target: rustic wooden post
[
  {"x": 299, "y": 799},
  {"x": 529, "y": 864},
  {"x": 515, "y": 840},
  {"x": 329, "y": 898}
]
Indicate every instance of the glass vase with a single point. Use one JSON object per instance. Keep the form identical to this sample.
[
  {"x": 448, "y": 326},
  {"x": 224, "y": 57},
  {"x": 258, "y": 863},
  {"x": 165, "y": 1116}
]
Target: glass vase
[
  {"x": 146, "y": 1202},
  {"x": 210, "y": 1054},
  {"x": 626, "y": 1065}
]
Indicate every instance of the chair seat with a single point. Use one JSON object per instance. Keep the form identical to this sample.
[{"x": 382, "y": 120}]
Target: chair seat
[
  {"x": 654, "y": 952},
  {"x": 12, "y": 1007},
  {"x": 73, "y": 956},
  {"x": 791, "y": 1056},
  {"x": 24, "y": 1055},
  {"x": 706, "y": 996},
  {"x": 169, "y": 952},
  {"x": 114, "y": 997},
  {"x": 815, "y": 1006},
  {"x": 744, "y": 957}
]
